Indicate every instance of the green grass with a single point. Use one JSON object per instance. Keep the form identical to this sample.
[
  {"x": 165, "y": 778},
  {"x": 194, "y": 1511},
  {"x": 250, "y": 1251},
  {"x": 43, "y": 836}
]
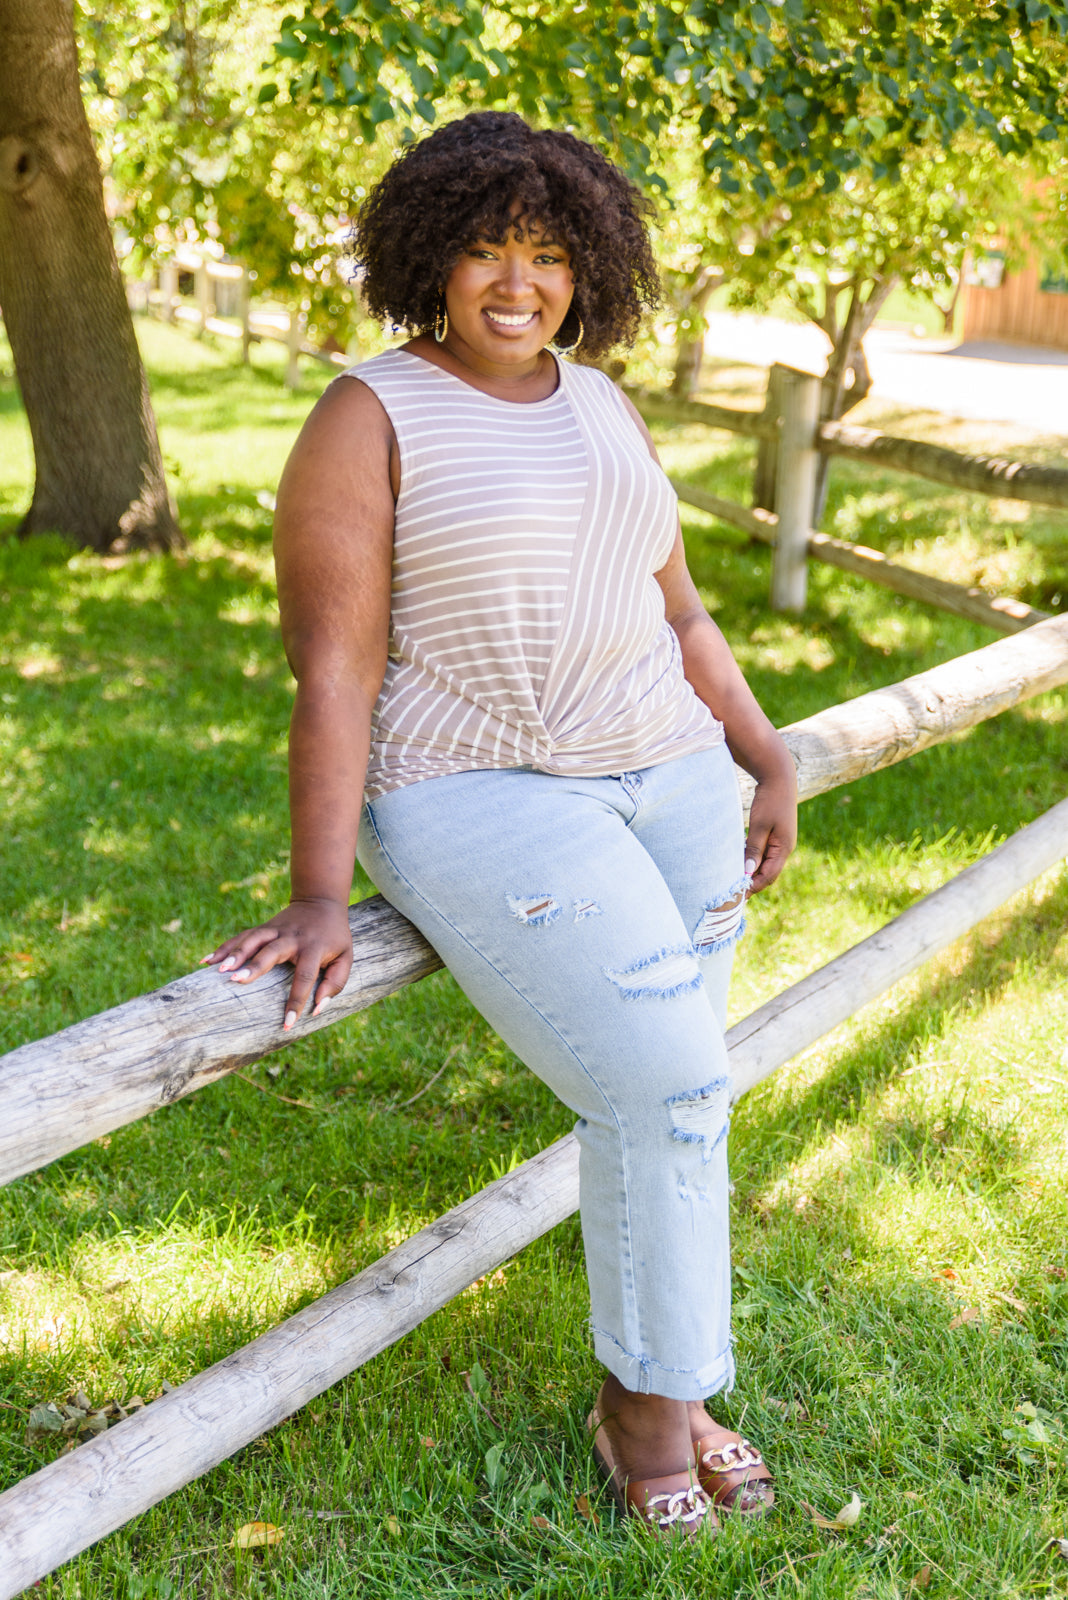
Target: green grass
[{"x": 910, "y": 1168}]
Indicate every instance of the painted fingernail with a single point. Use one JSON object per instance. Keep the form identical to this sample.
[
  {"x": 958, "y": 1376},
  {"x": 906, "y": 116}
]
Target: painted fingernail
[
  {"x": 239, "y": 977},
  {"x": 224, "y": 966},
  {"x": 291, "y": 1017},
  {"x": 319, "y": 1004},
  {"x": 750, "y": 868}
]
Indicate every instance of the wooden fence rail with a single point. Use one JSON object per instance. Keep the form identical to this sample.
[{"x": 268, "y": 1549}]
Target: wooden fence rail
[
  {"x": 57, "y": 1512},
  {"x": 1000, "y": 613},
  {"x": 60, "y": 1092},
  {"x": 989, "y": 475},
  {"x": 792, "y": 440}
]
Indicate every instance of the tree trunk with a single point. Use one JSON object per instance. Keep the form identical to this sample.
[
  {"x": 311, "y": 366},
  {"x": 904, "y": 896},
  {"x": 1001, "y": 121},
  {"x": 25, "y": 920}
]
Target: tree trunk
[
  {"x": 689, "y": 352},
  {"x": 847, "y": 359},
  {"x": 99, "y": 477}
]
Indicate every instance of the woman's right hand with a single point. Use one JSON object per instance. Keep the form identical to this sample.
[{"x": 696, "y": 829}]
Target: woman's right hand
[{"x": 313, "y": 934}]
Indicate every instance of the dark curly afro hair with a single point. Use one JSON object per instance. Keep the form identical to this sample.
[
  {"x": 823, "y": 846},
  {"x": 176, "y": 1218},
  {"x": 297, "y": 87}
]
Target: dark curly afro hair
[{"x": 462, "y": 183}]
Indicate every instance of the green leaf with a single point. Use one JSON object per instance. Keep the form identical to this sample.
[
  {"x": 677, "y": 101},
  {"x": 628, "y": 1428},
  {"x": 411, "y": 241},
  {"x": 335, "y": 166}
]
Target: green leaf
[
  {"x": 268, "y": 92},
  {"x": 494, "y": 1471}
]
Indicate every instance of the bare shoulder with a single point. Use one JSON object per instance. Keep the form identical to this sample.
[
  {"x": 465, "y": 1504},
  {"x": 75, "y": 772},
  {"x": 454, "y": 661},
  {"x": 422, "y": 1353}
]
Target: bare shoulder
[{"x": 348, "y": 419}]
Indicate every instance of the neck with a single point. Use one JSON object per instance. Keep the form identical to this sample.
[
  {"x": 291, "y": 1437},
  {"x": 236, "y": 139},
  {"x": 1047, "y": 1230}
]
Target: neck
[{"x": 508, "y": 374}]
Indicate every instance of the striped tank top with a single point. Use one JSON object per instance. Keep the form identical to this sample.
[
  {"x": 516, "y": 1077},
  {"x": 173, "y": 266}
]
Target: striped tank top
[{"x": 527, "y": 627}]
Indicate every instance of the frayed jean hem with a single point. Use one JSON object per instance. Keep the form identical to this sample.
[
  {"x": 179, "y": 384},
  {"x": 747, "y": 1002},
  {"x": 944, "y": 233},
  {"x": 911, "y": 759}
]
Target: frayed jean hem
[{"x": 641, "y": 1375}]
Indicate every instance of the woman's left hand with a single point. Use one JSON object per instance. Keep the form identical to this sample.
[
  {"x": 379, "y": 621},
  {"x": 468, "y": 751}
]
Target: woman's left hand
[{"x": 772, "y": 828}]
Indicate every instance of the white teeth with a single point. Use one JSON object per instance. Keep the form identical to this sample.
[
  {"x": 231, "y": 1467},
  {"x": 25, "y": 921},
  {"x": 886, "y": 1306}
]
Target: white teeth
[{"x": 519, "y": 320}]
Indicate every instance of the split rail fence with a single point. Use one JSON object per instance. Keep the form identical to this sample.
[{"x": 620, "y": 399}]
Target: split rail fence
[
  {"x": 221, "y": 303},
  {"x": 58, "y": 1093},
  {"x": 792, "y": 439}
]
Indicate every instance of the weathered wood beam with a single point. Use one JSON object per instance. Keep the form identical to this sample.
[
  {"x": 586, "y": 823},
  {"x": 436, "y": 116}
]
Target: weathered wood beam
[
  {"x": 1006, "y": 615},
  {"x": 59, "y": 1092},
  {"x": 59, "y": 1511},
  {"x": 802, "y": 1014},
  {"x": 795, "y": 489},
  {"x": 756, "y": 523},
  {"x": 989, "y": 475},
  {"x": 876, "y": 730},
  {"x": 656, "y": 407}
]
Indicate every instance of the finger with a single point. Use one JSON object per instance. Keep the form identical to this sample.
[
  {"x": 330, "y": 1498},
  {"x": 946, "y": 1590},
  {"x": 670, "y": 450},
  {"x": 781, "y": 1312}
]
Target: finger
[
  {"x": 237, "y": 951},
  {"x": 333, "y": 980},
  {"x": 221, "y": 951},
  {"x": 775, "y": 858},
  {"x": 283, "y": 947},
  {"x": 756, "y": 845},
  {"x": 304, "y": 979}
]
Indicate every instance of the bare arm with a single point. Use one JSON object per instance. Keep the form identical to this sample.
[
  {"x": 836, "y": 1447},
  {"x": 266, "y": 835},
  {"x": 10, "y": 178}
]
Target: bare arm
[
  {"x": 752, "y": 739},
  {"x": 333, "y": 553}
]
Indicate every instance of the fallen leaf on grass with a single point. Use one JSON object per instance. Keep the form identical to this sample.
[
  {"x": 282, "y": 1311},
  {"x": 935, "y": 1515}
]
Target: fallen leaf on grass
[
  {"x": 257, "y": 1536},
  {"x": 393, "y": 1527},
  {"x": 969, "y": 1314},
  {"x": 173, "y": 926},
  {"x": 584, "y": 1509},
  {"x": 848, "y": 1516},
  {"x": 1010, "y": 1300},
  {"x": 540, "y": 1522},
  {"x": 44, "y": 1420},
  {"x": 426, "y": 1442},
  {"x": 922, "y": 1580},
  {"x": 790, "y": 1409}
]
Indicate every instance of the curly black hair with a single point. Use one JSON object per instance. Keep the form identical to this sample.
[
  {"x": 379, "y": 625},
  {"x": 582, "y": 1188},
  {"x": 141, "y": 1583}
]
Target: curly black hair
[{"x": 462, "y": 183}]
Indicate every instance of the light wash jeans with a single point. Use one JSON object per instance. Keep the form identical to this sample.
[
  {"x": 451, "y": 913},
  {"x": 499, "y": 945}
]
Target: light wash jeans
[{"x": 592, "y": 922}]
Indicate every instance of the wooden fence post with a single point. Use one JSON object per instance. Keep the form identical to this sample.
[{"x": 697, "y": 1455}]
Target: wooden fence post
[
  {"x": 767, "y": 461},
  {"x": 205, "y": 296},
  {"x": 795, "y": 483},
  {"x": 168, "y": 288},
  {"x": 294, "y": 339},
  {"x": 245, "y": 306}
]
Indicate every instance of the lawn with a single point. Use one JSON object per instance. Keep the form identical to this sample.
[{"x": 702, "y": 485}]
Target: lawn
[{"x": 901, "y": 1203}]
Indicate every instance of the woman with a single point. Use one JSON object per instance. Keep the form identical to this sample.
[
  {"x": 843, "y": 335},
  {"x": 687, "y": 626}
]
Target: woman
[{"x": 485, "y": 603}]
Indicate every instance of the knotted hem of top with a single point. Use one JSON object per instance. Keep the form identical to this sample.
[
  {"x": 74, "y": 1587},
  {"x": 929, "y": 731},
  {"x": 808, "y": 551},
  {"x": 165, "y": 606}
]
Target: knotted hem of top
[{"x": 643, "y": 1375}]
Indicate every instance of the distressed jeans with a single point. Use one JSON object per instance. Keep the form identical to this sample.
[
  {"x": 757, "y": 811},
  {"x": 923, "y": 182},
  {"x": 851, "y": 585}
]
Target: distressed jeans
[{"x": 592, "y": 922}]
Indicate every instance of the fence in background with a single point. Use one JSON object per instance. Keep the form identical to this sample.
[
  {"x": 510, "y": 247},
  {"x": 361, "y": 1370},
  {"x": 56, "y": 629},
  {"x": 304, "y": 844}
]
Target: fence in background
[
  {"x": 221, "y": 303},
  {"x": 791, "y": 441}
]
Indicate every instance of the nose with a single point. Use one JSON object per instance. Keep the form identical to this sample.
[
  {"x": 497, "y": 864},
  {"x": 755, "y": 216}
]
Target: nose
[{"x": 514, "y": 277}]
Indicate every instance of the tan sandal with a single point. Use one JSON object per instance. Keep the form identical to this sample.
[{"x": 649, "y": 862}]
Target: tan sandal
[
  {"x": 733, "y": 1474},
  {"x": 672, "y": 1507}
]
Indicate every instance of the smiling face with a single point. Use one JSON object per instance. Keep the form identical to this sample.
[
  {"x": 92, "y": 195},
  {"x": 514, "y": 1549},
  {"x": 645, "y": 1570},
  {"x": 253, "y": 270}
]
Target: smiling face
[{"x": 505, "y": 301}]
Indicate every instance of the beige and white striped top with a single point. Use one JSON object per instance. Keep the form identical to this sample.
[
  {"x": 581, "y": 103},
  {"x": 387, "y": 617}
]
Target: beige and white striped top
[{"x": 527, "y": 627}]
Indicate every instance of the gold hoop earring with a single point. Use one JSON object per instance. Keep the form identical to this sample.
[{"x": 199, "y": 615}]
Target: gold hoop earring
[
  {"x": 569, "y": 349},
  {"x": 441, "y": 323}
]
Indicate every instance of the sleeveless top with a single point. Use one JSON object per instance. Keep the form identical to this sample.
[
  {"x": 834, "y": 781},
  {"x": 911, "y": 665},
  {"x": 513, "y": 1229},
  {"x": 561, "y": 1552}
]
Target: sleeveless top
[{"x": 527, "y": 627}]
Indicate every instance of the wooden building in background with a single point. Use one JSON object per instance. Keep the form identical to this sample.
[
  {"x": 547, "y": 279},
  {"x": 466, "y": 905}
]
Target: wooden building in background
[{"x": 1029, "y": 306}]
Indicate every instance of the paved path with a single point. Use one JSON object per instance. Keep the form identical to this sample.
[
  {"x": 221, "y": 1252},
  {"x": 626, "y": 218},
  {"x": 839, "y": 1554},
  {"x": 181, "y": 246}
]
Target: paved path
[{"x": 989, "y": 381}]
